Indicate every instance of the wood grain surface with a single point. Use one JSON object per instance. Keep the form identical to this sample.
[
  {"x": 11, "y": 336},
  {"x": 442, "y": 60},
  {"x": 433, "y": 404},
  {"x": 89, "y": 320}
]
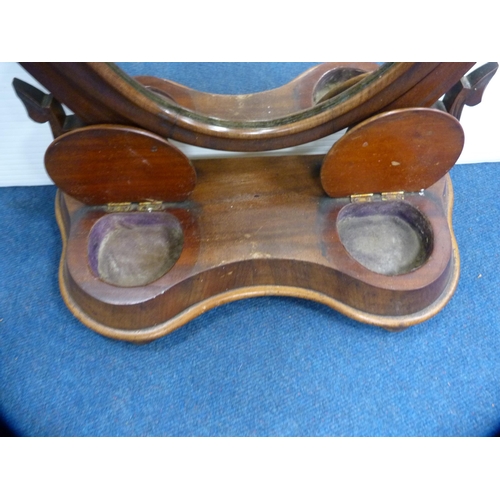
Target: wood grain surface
[{"x": 111, "y": 164}]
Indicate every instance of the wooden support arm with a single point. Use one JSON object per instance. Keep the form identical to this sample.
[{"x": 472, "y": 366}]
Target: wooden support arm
[
  {"x": 469, "y": 89},
  {"x": 44, "y": 108}
]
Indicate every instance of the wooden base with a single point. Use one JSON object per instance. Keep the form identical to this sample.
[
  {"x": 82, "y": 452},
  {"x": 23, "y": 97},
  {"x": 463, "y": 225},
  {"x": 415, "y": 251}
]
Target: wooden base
[{"x": 252, "y": 227}]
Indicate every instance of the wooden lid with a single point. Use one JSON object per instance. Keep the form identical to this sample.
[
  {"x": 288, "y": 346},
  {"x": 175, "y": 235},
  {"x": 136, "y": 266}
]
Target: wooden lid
[
  {"x": 104, "y": 164},
  {"x": 404, "y": 150}
]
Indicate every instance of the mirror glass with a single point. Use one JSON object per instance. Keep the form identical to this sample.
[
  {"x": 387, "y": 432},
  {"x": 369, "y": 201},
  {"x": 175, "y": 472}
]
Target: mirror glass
[{"x": 221, "y": 78}]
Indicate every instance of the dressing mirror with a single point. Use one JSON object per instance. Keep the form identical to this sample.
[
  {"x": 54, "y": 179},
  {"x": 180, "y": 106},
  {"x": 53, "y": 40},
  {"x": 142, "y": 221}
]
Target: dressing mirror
[{"x": 153, "y": 238}]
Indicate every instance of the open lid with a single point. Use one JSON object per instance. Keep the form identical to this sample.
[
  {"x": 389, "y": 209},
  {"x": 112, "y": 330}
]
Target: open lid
[
  {"x": 103, "y": 164},
  {"x": 404, "y": 150}
]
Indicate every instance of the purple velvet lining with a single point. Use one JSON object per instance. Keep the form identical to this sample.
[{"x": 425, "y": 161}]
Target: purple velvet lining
[{"x": 105, "y": 225}]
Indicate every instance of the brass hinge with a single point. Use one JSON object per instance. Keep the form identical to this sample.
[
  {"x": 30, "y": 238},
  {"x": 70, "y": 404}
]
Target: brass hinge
[
  {"x": 119, "y": 207},
  {"x": 395, "y": 195},
  {"x": 145, "y": 206},
  {"x": 149, "y": 206},
  {"x": 389, "y": 196},
  {"x": 361, "y": 198}
]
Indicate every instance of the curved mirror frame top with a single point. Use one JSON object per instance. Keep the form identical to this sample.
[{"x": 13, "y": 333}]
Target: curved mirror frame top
[{"x": 103, "y": 93}]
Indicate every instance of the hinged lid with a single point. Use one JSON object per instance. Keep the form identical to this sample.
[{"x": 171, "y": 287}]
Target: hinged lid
[
  {"x": 116, "y": 164},
  {"x": 399, "y": 151}
]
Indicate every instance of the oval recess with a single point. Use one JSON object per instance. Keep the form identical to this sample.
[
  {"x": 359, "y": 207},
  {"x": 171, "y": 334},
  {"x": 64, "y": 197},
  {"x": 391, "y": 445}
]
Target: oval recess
[
  {"x": 389, "y": 238},
  {"x": 134, "y": 249}
]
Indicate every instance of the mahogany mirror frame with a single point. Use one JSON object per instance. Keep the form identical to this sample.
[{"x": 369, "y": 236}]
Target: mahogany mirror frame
[{"x": 102, "y": 93}]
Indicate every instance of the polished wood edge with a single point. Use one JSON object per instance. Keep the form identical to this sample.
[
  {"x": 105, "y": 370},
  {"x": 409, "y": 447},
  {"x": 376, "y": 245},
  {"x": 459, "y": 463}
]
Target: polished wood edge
[{"x": 390, "y": 323}]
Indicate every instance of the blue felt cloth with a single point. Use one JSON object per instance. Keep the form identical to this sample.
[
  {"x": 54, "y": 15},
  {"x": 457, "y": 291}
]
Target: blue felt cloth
[{"x": 258, "y": 367}]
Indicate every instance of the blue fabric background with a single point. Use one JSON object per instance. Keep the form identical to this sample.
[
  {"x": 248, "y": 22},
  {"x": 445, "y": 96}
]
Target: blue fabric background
[{"x": 260, "y": 367}]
